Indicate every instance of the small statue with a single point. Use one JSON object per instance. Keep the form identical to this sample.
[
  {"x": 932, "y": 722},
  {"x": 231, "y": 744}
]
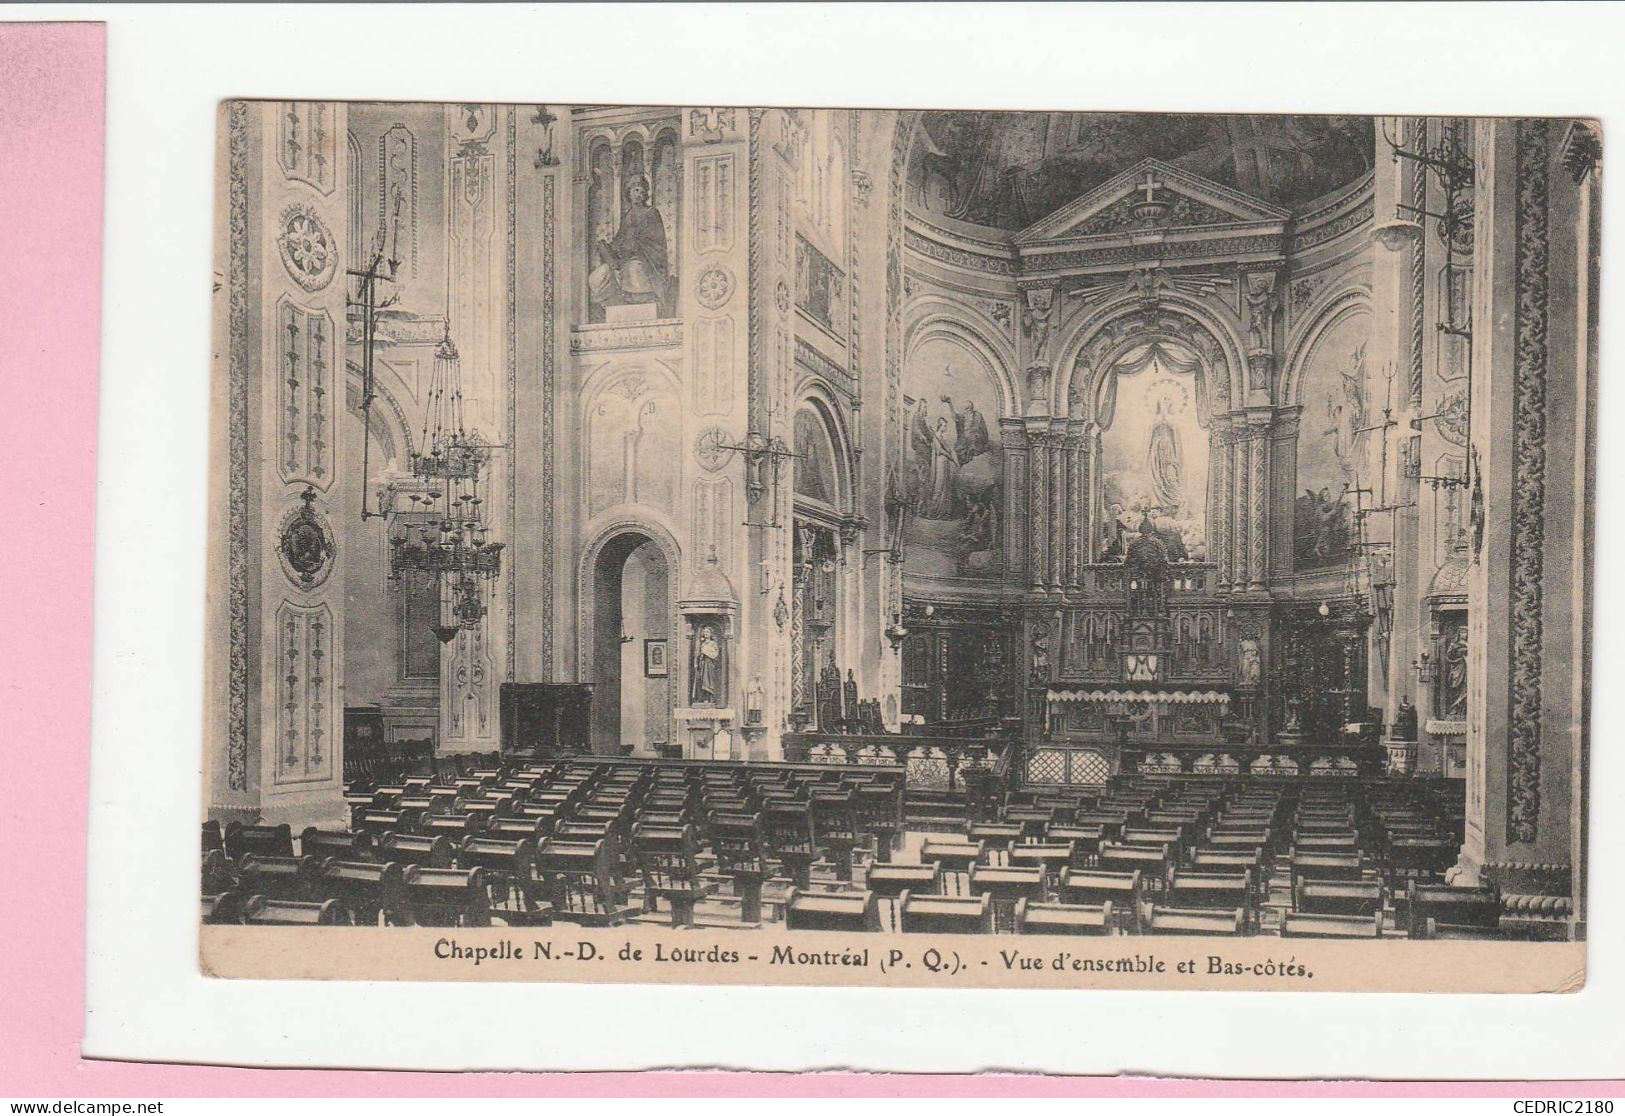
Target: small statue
[
  {"x": 755, "y": 701},
  {"x": 1404, "y": 726}
]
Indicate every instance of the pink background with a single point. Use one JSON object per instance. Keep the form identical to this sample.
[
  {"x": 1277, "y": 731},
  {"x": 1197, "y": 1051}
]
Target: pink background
[{"x": 52, "y": 108}]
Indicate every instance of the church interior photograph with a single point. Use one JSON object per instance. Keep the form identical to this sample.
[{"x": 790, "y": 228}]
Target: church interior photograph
[{"x": 901, "y": 521}]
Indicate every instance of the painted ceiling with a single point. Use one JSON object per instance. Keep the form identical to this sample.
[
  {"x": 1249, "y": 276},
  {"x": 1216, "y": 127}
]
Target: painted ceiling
[{"x": 1008, "y": 169}]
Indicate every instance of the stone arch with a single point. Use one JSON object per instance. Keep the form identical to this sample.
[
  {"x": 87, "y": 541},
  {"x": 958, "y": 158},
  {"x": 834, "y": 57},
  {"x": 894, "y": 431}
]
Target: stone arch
[
  {"x": 626, "y": 533},
  {"x": 1101, "y": 338},
  {"x": 821, "y": 404},
  {"x": 940, "y": 318},
  {"x": 388, "y": 422},
  {"x": 1331, "y": 311}
]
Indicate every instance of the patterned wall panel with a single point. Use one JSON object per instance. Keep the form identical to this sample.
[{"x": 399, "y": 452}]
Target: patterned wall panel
[
  {"x": 305, "y": 715},
  {"x": 305, "y": 413}
]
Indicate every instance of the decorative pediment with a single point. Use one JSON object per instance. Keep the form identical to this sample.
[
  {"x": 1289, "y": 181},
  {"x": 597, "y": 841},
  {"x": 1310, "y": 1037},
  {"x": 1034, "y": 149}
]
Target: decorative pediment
[{"x": 1151, "y": 195}]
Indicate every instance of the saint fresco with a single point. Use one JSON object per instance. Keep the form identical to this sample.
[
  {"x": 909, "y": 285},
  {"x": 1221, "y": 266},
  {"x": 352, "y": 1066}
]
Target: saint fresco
[
  {"x": 1154, "y": 454},
  {"x": 954, "y": 466}
]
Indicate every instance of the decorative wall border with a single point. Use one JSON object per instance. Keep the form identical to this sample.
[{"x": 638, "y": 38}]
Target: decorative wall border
[
  {"x": 1419, "y": 197},
  {"x": 237, "y": 452},
  {"x": 549, "y": 380},
  {"x": 512, "y": 327},
  {"x": 1528, "y": 479}
]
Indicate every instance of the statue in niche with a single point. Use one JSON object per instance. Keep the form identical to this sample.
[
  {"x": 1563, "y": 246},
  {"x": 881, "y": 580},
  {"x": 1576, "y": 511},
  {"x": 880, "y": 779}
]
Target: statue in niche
[
  {"x": 1452, "y": 698},
  {"x": 705, "y": 674},
  {"x": 632, "y": 268},
  {"x": 1249, "y": 663},
  {"x": 1164, "y": 463}
]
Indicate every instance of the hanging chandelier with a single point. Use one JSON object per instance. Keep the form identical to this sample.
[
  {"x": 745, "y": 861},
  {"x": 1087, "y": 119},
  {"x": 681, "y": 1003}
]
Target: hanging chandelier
[{"x": 455, "y": 547}]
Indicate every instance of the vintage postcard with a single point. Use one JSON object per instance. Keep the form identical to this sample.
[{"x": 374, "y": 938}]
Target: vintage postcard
[{"x": 951, "y": 548}]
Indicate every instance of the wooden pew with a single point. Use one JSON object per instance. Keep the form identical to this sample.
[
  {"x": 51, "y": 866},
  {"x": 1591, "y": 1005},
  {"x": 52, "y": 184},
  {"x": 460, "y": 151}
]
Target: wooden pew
[
  {"x": 1298, "y": 924},
  {"x": 833, "y": 910},
  {"x": 993, "y": 836},
  {"x": 1173, "y": 920},
  {"x": 218, "y": 874},
  {"x": 1153, "y": 861},
  {"x": 891, "y": 880},
  {"x": 1350, "y": 898},
  {"x": 1123, "y": 890},
  {"x": 371, "y": 891},
  {"x": 519, "y": 828},
  {"x": 835, "y": 830},
  {"x": 955, "y": 858},
  {"x": 1205, "y": 859},
  {"x": 279, "y": 877},
  {"x": 1326, "y": 866},
  {"x": 1033, "y": 821},
  {"x": 1422, "y": 859},
  {"x": 413, "y": 848},
  {"x": 344, "y": 844},
  {"x": 1204, "y": 890},
  {"x": 261, "y": 911},
  {"x": 1006, "y": 886},
  {"x": 945, "y": 914},
  {"x": 1064, "y": 918},
  {"x": 376, "y": 823},
  {"x": 214, "y": 838},
  {"x": 1172, "y": 837},
  {"x": 1455, "y": 912},
  {"x": 263, "y": 840},
  {"x": 513, "y": 890},
  {"x": 577, "y": 881},
  {"x": 668, "y": 860},
  {"x": 1335, "y": 844},
  {"x": 788, "y": 831},
  {"x": 223, "y": 907},
  {"x": 447, "y": 896},
  {"x": 1084, "y": 839},
  {"x": 454, "y": 827},
  {"x": 1051, "y": 857},
  {"x": 741, "y": 852},
  {"x": 880, "y": 815}
]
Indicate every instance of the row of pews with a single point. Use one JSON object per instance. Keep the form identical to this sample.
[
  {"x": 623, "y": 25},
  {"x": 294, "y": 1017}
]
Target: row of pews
[
  {"x": 475, "y": 841},
  {"x": 1193, "y": 856},
  {"x": 485, "y": 842}
]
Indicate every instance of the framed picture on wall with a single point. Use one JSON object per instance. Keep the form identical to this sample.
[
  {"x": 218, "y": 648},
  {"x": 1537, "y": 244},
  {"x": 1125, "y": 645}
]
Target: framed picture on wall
[{"x": 654, "y": 658}]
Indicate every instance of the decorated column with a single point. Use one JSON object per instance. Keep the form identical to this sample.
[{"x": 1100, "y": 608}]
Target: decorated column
[{"x": 280, "y": 725}]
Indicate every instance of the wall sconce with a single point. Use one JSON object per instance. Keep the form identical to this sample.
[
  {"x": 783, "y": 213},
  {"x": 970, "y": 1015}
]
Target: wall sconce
[{"x": 1426, "y": 668}]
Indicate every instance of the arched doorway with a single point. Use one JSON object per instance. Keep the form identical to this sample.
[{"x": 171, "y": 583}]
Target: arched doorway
[{"x": 632, "y": 665}]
